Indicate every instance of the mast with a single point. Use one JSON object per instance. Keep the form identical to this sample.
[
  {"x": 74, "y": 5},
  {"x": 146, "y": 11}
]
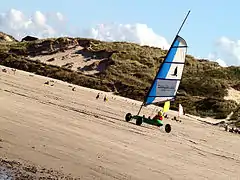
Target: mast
[
  {"x": 162, "y": 63},
  {"x": 183, "y": 22}
]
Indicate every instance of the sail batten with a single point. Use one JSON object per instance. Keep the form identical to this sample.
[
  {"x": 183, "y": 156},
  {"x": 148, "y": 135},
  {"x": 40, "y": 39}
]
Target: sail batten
[
  {"x": 159, "y": 96},
  {"x": 175, "y": 62},
  {"x": 167, "y": 80}
]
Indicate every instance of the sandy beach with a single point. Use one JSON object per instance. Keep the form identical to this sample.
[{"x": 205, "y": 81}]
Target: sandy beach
[{"x": 72, "y": 133}]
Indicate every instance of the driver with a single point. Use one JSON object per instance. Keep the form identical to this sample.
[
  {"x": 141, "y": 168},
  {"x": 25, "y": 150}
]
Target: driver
[{"x": 159, "y": 116}]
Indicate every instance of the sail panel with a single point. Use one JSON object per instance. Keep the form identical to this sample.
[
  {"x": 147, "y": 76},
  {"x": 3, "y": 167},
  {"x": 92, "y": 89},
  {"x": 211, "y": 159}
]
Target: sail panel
[{"x": 168, "y": 78}]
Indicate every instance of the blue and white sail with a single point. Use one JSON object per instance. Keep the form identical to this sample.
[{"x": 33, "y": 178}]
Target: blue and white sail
[{"x": 167, "y": 80}]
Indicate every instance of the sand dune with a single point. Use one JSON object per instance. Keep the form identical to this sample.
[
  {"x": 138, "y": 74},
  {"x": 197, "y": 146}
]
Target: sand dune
[
  {"x": 233, "y": 95},
  {"x": 53, "y": 127},
  {"x": 73, "y": 60}
]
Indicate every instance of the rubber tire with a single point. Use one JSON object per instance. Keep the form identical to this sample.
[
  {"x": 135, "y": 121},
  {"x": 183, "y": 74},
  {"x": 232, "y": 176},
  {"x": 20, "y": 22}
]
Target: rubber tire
[
  {"x": 168, "y": 128},
  {"x": 139, "y": 121},
  {"x": 128, "y": 117}
]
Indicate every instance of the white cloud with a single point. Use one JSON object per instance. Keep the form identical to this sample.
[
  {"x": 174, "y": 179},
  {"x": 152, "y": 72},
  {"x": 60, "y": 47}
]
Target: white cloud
[
  {"x": 214, "y": 57},
  {"x": 39, "y": 18},
  {"x": 228, "y": 50},
  {"x": 60, "y": 16},
  {"x": 42, "y": 25},
  {"x": 221, "y": 62},
  {"x": 19, "y": 25},
  {"x": 137, "y": 33}
]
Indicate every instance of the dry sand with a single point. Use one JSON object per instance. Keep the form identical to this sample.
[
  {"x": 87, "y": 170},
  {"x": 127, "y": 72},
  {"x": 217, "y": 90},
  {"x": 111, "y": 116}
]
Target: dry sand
[
  {"x": 233, "y": 95},
  {"x": 71, "y": 57},
  {"x": 53, "y": 127}
]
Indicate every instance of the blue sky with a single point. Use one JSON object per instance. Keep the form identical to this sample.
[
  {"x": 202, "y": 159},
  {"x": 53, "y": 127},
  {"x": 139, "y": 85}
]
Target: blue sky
[{"x": 208, "y": 20}]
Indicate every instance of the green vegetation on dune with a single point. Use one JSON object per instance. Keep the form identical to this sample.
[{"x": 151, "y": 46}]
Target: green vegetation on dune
[
  {"x": 130, "y": 71},
  {"x": 236, "y": 114}
]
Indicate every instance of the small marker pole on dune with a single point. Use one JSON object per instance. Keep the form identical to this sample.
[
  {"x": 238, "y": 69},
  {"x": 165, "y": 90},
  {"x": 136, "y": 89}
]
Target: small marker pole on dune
[{"x": 180, "y": 111}]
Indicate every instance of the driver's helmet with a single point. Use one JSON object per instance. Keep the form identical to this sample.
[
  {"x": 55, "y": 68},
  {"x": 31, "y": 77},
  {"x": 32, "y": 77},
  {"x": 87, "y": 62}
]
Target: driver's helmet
[{"x": 160, "y": 113}]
